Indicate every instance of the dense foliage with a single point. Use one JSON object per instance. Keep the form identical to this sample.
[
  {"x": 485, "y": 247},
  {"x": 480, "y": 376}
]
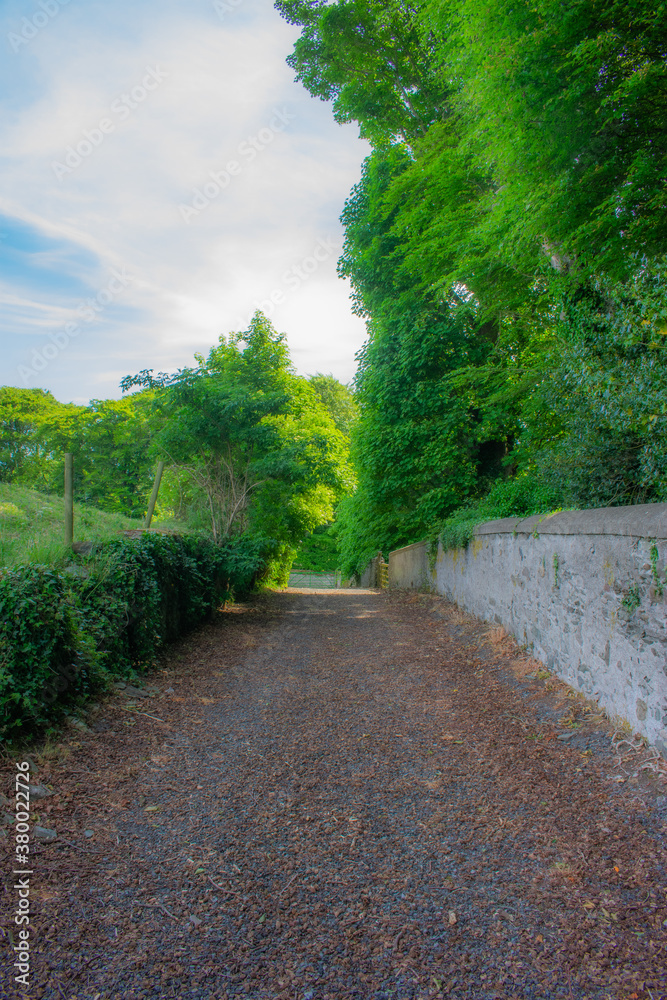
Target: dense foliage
[
  {"x": 66, "y": 635},
  {"x": 253, "y": 448},
  {"x": 110, "y": 440},
  {"x": 506, "y": 243}
]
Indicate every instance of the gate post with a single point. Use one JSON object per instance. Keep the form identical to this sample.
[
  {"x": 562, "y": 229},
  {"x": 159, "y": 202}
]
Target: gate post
[
  {"x": 153, "y": 499},
  {"x": 69, "y": 499}
]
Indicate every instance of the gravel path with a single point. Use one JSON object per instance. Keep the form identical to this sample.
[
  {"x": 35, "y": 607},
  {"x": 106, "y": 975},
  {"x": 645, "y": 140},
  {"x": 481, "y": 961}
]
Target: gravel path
[{"x": 345, "y": 794}]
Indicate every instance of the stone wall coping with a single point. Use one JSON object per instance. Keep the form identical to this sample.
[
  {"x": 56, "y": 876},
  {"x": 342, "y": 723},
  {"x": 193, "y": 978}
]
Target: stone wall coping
[
  {"x": 413, "y": 545},
  {"x": 646, "y": 520}
]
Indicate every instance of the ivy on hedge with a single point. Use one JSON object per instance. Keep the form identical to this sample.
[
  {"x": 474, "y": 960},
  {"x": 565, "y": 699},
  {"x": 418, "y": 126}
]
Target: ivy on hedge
[{"x": 64, "y": 635}]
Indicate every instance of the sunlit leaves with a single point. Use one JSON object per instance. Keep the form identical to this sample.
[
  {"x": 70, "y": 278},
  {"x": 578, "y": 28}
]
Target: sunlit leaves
[
  {"x": 515, "y": 190},
  {"x": 255, "y": 449}
]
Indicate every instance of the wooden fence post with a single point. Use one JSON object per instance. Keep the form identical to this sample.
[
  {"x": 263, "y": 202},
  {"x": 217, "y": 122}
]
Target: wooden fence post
[
  {"x": 69, "y": 500},
  {"x": 153, "y": 499}
]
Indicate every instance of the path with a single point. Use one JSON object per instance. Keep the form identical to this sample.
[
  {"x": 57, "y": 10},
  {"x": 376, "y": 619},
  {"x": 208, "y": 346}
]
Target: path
[{"x": 348, "y": 794}]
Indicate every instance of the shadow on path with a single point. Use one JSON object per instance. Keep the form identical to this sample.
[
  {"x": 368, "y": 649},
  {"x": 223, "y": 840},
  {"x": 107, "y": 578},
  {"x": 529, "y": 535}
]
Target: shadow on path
[{"x": 336, "y": 795}]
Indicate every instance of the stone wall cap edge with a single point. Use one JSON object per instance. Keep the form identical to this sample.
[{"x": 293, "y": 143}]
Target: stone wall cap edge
[{"x": 637, "y": 521}]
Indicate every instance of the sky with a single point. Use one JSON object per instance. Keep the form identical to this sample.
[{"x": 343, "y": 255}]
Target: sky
[{"x": 162, "y": 176}]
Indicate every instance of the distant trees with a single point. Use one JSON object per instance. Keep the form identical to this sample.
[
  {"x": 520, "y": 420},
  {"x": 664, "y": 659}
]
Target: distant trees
[
  {"x": 337, "y": 400},
  {"x": 23, "y": 448},
  {"x": 110, "y": 440}
]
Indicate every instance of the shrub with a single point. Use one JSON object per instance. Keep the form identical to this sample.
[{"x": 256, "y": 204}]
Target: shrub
[
  {"x": 64, "y": 635},
  {"x": 39, "y": 645},
  {"x": 519, "y": 497}
]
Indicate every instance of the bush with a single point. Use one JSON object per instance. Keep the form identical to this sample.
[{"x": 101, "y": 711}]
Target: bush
[
  {"x": 64, "y": 635},
  {"x": 38, "y": 643},
  {"x": 519, "y": 497}
]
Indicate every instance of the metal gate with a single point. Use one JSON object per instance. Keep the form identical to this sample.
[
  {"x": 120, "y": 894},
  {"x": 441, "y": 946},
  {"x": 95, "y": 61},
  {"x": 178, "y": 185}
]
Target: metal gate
[{"x": 319, "y": 581}]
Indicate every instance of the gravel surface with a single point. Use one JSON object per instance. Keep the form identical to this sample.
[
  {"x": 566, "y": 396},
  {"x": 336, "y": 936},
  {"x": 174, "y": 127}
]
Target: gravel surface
[{"x": 346, "y": 794}]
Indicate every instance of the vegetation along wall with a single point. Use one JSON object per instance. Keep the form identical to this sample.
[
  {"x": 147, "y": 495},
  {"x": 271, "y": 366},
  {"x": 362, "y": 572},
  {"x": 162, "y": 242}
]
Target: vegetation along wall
[{"x": 586, "y": 590}]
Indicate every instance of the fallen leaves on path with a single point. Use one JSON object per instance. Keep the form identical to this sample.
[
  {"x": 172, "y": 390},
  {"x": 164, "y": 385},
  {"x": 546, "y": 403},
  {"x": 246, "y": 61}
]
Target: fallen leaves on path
[{"x": 348, "y": 795}]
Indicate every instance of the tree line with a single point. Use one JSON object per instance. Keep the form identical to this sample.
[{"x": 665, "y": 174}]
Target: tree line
[
  {"x": 506, "y": 245},
  {"x": 253, "y": 450},
  {"x": 257, "y": 457}
]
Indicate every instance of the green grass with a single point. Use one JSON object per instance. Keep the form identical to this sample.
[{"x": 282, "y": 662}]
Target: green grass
[{"x": 32, "y": 526}]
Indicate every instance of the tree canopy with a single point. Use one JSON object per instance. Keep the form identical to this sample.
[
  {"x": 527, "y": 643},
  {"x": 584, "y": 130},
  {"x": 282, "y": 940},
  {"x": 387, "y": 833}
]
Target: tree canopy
[
  {"x": 252, "y": 448},
  {"x": 506, "y": 245}
]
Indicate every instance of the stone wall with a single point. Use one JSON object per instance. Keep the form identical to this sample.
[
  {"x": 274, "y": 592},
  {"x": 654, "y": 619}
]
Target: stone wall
[
  {"x": 582, "y": 589},
  {"x": 370, "y": 576},
  {"x": 408, "y": 567}
]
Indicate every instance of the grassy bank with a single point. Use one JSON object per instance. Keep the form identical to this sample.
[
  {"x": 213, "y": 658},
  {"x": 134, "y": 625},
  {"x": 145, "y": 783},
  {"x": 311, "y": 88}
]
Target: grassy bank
[{"x": 31, "y": 526}]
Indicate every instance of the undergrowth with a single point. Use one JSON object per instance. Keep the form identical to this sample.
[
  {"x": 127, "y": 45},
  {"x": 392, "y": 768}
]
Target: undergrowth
[{"x": 518, "y": 497}]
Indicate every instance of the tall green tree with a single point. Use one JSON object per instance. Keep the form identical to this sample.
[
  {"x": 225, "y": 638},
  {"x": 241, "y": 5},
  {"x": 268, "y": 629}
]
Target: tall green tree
[
  {"x": 369, "y": 58},
  {"x": 515, "y": 195},
  {"x": 254, "y": 450}
]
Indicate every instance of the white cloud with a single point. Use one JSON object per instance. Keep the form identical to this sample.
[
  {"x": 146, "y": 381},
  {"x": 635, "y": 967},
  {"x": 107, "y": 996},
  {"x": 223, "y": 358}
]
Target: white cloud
[{"x": 193, "y": 281}]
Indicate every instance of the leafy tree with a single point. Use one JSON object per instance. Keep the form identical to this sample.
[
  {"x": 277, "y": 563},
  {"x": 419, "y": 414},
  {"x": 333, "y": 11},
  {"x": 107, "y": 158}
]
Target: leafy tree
[
  {"x": 113, "y": 454},
  {"x": 109, "y": 440},
  {"x": 369, "y": 58},
  {"x": 337, "y": 400},
  {"x": 255, "y": 450},
  {"x": 512, "y": 211},
  {"x": 24, "y": 448}
]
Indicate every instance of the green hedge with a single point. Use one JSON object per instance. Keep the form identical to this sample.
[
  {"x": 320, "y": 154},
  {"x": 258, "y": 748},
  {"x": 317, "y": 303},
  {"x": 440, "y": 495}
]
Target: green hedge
[{"x": 64, "y": 635}]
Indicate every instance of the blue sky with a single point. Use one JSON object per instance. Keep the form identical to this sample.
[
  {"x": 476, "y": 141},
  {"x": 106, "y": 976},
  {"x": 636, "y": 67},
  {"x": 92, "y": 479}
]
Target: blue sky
[{"x": 161, "y": 177}]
